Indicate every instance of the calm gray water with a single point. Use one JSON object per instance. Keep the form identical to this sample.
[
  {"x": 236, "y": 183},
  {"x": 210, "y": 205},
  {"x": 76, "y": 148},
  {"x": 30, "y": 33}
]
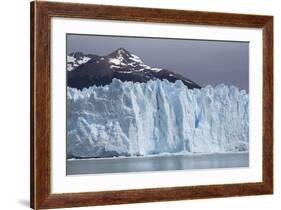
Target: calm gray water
[{"x": 157, "y": 163}]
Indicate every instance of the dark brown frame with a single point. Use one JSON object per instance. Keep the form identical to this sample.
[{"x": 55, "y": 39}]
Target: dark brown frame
[{"x": 41, "y": 14}]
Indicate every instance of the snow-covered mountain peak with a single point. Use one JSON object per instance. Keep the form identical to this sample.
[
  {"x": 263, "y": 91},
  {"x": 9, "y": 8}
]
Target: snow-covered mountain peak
[
  {"x": 124, "y": 57},
  {"x": 85, "y": 71},
  {"x": 76, "y": 59},
  {"x": 77, "y": 55},
  {"x": 122, "y": 50}
]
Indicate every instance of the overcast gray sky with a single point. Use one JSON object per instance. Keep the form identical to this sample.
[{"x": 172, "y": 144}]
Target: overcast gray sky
[{"x": 205, "y": 62}]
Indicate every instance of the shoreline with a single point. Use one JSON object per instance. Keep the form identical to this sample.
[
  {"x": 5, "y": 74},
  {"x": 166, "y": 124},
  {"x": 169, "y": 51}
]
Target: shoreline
[{"x": 157, "y": 155}]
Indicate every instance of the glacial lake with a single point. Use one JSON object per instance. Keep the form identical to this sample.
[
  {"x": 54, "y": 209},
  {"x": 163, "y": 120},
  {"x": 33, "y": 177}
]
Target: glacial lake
[{"x": 156, "y": 163}]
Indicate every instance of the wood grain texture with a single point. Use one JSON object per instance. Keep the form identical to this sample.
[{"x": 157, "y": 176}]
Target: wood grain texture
[
  {"x": 32, "y": 142},
  {"x": 268, "y": 104},
  {"x": 40, "y": 129}
]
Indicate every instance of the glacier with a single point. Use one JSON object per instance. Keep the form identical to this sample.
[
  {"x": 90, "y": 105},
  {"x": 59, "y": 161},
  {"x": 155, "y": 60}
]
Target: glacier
[{"x": 139, "y": 119}]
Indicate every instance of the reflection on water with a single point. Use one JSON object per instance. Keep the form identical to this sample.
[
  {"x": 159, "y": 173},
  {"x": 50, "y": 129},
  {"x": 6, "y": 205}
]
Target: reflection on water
[{"x": 156, "y": 163}]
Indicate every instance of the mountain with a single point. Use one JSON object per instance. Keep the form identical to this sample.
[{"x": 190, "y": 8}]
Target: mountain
[
  {"x": 85, "y": 70},
  {"x": 157, "y": 117},
  {"x": 75, "y": 59}
]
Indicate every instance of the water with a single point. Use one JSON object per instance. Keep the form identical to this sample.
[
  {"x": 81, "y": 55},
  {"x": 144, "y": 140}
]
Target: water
[{"x": 157, "y": 163}]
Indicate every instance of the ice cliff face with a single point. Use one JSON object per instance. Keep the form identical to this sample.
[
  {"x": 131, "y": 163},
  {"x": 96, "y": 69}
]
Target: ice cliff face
[{"x": 128, "y": 119}]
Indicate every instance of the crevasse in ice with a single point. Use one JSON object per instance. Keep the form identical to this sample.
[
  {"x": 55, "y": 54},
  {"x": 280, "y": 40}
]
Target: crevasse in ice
[{"x": 130, "y": 119}]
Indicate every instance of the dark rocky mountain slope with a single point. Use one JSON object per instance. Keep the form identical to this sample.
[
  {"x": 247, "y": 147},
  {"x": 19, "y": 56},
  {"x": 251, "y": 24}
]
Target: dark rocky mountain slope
[{"x": 87, "y": 70}]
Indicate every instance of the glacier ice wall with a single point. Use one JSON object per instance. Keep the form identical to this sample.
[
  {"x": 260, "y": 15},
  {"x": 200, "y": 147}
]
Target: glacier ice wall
[{"x": 128, "y": 119}]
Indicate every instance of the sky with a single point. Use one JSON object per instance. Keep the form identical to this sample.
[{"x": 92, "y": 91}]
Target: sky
[{"x": 206, "y": 62}]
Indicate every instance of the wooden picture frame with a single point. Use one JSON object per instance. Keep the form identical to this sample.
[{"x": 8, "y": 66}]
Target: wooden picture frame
[{"x": 40, "y": 181}]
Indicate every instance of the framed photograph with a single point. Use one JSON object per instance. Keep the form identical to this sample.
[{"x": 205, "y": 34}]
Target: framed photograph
[{"x": 136, "y": 105}]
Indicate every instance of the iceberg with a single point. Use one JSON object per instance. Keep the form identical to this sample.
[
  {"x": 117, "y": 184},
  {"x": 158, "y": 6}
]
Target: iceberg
[{"x": 156, "y": 117}]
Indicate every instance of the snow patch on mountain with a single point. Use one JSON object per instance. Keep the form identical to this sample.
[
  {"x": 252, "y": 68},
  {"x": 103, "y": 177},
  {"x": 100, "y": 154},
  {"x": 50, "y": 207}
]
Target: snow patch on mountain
[
  {"x": 115, "y": 61},
  {"x": 73, "y": 62},
  {"x": 135, "y": 58},
  {"x": 156, "y": 69},
  {"x": 131, "y": 119}
]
